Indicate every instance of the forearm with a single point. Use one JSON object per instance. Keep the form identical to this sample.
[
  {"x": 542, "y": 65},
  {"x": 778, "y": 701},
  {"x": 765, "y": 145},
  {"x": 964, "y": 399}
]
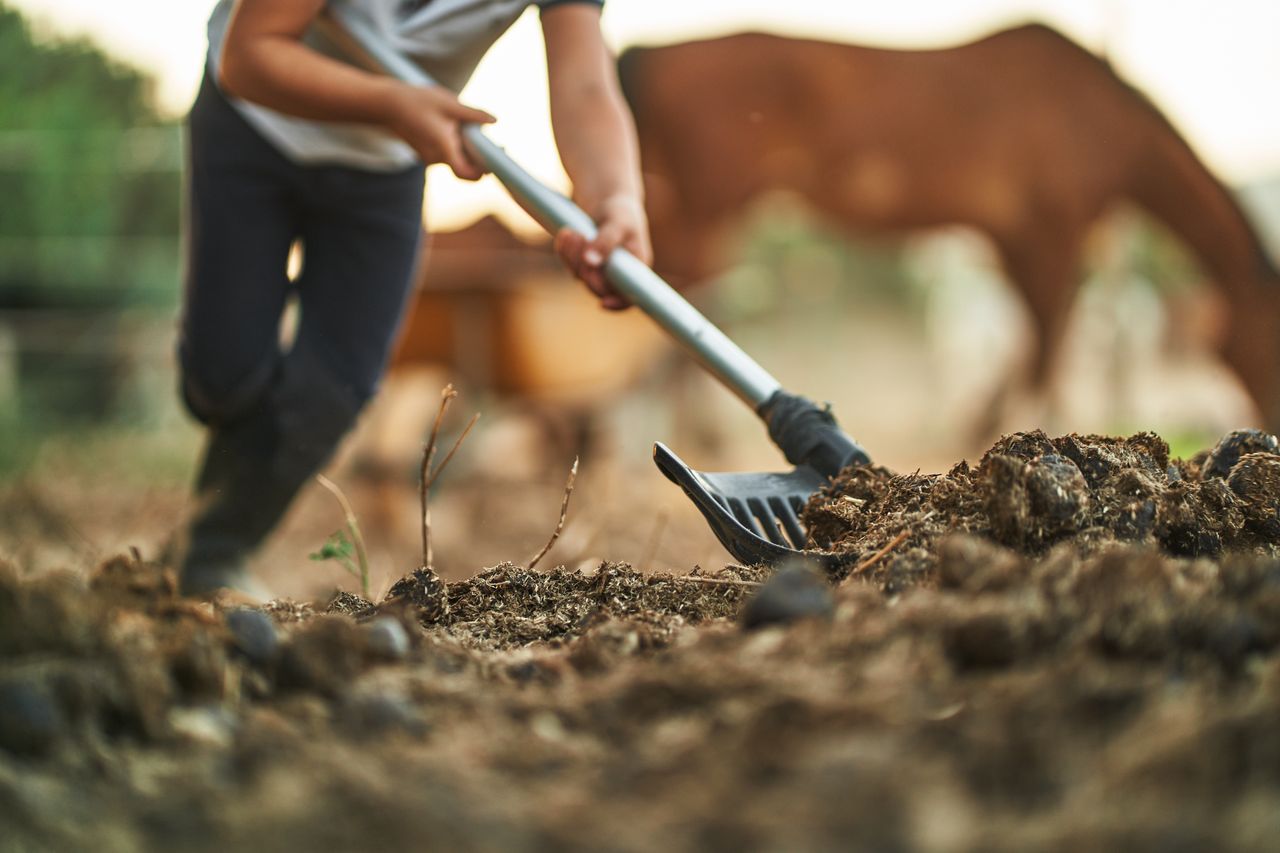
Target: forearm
[{"x": 597, "y": 142}]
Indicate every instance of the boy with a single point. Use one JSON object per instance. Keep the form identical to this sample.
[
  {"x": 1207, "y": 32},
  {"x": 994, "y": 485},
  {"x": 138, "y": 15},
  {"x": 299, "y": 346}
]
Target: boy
[{"x": 291, "y": 141}]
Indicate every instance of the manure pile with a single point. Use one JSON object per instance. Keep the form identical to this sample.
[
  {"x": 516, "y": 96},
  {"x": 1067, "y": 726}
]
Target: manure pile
[{"x": 1070, "y": 646}]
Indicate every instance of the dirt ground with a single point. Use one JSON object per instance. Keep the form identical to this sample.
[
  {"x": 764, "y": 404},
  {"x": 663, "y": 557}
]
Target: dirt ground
[{"x": 1070, "y": 645}]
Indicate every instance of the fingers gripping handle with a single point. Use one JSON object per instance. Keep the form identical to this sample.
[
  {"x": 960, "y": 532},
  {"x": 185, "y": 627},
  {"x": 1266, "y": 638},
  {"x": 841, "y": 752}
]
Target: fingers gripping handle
[{"x": 628, "y": 274}]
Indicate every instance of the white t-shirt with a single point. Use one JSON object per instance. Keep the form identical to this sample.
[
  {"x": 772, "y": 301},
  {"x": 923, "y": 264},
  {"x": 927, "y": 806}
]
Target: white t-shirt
[{"x": 446, "y": 37}]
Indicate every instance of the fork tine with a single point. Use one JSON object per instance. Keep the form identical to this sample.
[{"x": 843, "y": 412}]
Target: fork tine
[
  {"x": 743, "y": 513},
  {"x": 761, "y": 510},
  {"x": 790, "y": 522}
]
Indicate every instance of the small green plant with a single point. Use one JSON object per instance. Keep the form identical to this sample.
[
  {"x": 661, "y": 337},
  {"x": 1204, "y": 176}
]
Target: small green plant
[{"x": 346, "y": 544}]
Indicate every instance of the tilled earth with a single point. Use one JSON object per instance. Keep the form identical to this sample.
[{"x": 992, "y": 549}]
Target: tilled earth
[{"x": 1070, "y": 646}]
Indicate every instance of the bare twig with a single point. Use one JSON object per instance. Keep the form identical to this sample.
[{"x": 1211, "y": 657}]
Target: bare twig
[
  {"x": 452, "y": 450},
  {"x": 714, "y": 581},
  {"x": 564, "y": 510},
  {"x": 427, "y": 476},
  {"x": 424, "y": 478},
  {"x": 357, "y": 538},
  {"x": 880, "y": 555}
]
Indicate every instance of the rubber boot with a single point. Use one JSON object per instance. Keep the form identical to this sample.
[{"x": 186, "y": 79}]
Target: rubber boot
[
  {"x": 253, "y": 468},
  {"x": 236, "y": 506}
]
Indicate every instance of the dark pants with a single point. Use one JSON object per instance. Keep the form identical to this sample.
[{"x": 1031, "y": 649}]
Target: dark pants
[{"x": 276, "y": 414}]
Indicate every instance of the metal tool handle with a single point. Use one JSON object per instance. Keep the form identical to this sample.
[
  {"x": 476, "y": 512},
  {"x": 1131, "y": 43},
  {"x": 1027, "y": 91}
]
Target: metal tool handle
[{"x": 628, "y": 274}]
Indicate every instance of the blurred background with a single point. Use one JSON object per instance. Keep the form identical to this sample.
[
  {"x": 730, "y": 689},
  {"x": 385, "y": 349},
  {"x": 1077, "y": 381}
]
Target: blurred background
[{"x": 907, "y": 337}]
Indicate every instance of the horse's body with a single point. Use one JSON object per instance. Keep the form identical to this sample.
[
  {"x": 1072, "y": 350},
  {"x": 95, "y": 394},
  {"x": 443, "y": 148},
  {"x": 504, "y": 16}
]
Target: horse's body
[{"x": 1023, "y": 135}]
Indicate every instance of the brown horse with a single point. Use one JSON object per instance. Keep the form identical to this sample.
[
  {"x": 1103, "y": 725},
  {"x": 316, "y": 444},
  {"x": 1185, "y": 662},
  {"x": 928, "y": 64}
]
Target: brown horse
[{"x": 1023, "y": 135}]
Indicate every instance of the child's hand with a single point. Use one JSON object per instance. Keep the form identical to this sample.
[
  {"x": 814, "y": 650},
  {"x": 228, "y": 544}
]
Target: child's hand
[
  {"x": 621, "y": 222},
  {"x": 430, "y": 119}
]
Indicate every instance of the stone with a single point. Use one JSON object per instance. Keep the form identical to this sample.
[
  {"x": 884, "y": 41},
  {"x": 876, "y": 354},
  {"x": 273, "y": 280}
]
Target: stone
[
  {"x": 387, "y": 638},
  {"x": 796, "y": 591},
  {"x": 30, "y": 720},
  {"x": 253, "y": 634}
]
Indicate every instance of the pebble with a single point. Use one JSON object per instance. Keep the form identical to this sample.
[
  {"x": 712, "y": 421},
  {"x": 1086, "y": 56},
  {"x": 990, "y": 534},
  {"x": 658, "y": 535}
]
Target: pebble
[
  {"x": 796, "y": 591},
  {"x": 253, "y": 634},
  {"x": 212, "y": 726},
  {"x": 387, "y": 638},
  {"x": 378, "y": 713},
  {"x": 30, "y": 720}
]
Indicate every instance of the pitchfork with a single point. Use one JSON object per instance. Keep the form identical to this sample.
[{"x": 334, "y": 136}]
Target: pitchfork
[{"x": 756, "y": 516}]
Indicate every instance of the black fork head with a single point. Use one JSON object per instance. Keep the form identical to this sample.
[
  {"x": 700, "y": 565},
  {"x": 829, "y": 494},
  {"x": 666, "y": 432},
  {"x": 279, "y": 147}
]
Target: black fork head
[{"x": 755, "y": 516}]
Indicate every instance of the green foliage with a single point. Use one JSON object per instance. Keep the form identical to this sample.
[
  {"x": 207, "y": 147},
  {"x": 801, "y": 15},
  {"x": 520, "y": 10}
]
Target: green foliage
[
  {"x": 1186, "y": 443},
  {"x": 90, "y": 177},
  {"x": 68, "y": 84},
  {"x": 88, "y": 171},
  {"x": 788, "y": 260},
  {"x": 337, "y": 547},
  {"x": 341, "y": 548}
]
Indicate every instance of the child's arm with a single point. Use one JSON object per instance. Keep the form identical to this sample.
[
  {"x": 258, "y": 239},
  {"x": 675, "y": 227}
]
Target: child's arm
[
  {"x": 265, "y": 61},
  {"x": 597, "y": 142}
]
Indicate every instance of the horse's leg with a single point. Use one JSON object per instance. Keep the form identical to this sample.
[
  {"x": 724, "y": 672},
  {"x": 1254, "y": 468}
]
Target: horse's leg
[
  {"x": 682, "y": 250},
  {"x": 1043, "y": 266}
]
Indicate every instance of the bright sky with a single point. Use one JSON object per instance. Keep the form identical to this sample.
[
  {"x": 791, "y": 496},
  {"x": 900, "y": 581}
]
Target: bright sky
[{"x": 1212, "y": 65}]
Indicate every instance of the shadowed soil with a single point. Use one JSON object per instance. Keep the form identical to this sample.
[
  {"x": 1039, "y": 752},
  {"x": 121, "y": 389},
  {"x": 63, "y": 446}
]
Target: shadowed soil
[{"x": 1072, "y": 647}]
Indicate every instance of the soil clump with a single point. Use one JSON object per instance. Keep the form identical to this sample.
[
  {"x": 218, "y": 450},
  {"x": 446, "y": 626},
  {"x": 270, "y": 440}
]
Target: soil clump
[{"x": 1029, "y": 493}]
